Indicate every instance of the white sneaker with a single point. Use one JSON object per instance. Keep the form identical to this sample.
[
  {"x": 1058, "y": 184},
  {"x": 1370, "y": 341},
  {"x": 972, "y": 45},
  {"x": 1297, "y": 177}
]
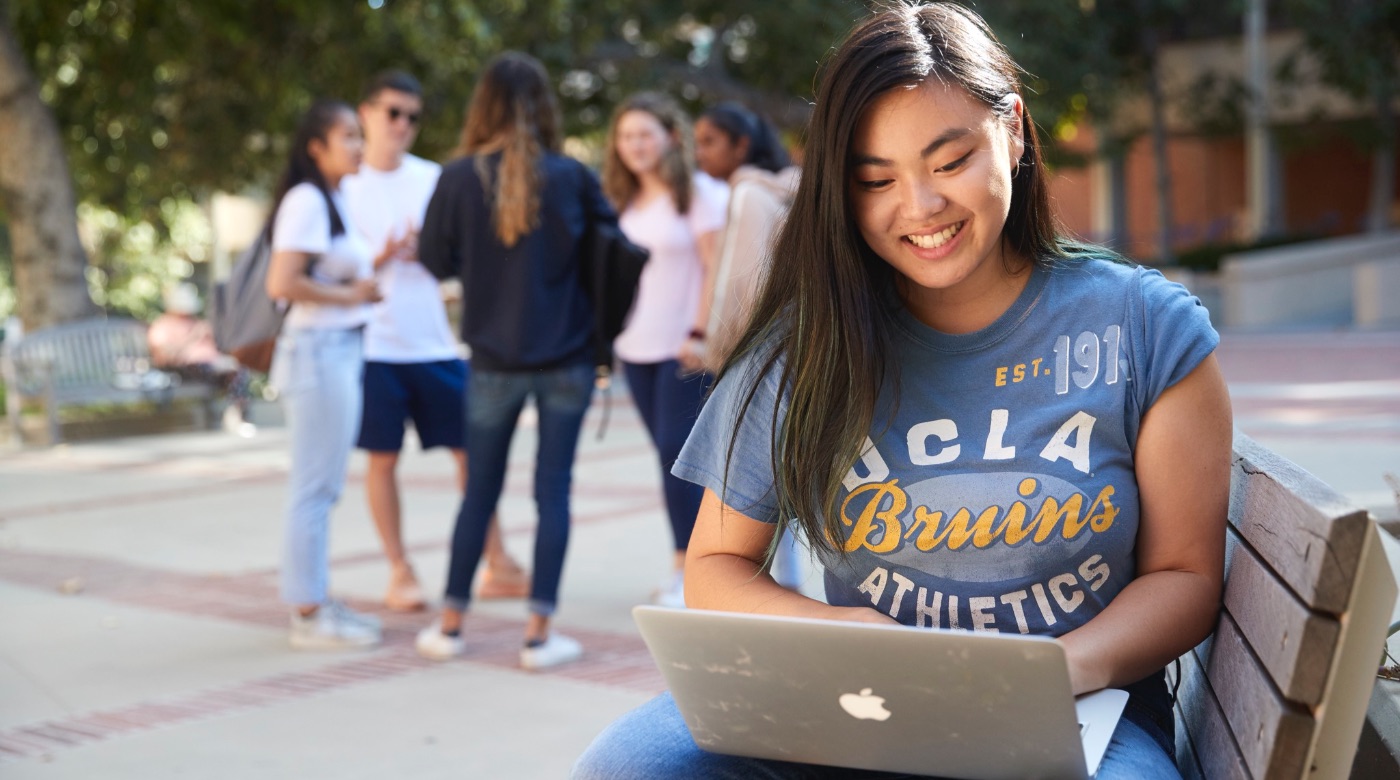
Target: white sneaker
[
  {"x": 344, "y": 612},
  {"x": 233, "y": 422},
  {"x": 432, "y": 643},
  {"x": 557, "y": 649},
  {"x": 671, "y": 593},
  {"x": 334, "y": 627}
]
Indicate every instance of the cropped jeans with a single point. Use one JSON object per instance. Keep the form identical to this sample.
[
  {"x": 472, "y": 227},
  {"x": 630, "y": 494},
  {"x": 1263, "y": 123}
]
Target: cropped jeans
[
  {"x": 561, "y": 397},
  {"x": 317, "y": 376}
]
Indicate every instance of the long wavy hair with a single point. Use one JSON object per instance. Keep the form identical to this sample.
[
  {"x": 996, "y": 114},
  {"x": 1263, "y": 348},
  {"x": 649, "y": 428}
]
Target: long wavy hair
[
  {"x": 513, "y": 111},
  {"x": 315, "y": 125},
  {"x": 825, "y": 323},
  {"x": 621, "y": 185},
  {"x": 736, "y": 121}
]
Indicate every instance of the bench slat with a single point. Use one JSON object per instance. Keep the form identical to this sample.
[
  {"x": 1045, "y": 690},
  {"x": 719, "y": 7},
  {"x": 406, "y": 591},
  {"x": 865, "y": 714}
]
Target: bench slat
[
  {"x": 1308, "y": 595},
  {"x": 1204, "y": 724},
  {"x": 1303, "y": 529},
  {"x": 1294, "y": 644},
  {"x": 1273, "y": 734}
]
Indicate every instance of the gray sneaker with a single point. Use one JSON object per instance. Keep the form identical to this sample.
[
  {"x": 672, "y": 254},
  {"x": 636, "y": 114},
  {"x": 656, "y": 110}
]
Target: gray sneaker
[{"x": 334, "y": 627}]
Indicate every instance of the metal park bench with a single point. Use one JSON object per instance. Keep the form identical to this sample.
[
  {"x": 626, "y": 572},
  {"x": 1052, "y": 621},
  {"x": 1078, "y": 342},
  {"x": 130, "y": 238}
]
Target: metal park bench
[
  {"x": 90, "y": 362},
  {"x": 1281, "y": 689}
]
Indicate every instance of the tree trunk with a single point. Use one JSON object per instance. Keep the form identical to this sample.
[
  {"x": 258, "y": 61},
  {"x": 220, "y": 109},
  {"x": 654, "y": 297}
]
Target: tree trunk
[
  {"x": 1382, "y": 164},
  {"x": 36, "y": 193},
  {"x": 1159, "y": 146},
  {"x": 1118, "y": 199}
]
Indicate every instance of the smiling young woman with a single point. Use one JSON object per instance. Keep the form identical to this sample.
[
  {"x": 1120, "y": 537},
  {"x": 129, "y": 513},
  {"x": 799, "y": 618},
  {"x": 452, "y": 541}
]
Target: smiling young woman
[
  {"x": 973, "y": 421},
  {"x": 931, "y": 190}
]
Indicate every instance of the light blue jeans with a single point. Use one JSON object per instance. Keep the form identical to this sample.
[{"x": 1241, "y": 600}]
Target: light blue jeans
[
  {"x": 317, "y": 376},
  {"x": 652, "y": 743}
]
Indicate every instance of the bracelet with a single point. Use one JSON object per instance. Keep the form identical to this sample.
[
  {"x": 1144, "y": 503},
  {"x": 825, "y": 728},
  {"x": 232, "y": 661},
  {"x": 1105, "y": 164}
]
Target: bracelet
[{"x": 697, "y": 334}]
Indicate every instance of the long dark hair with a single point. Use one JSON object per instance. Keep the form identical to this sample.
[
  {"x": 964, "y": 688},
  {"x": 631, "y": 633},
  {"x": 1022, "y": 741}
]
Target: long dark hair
[
  {"x": 315, "y": 124},
  {"x": 825, "y": 323},
  {"x": 735, "y": 121},
  {"x": 513, "y": 111}
]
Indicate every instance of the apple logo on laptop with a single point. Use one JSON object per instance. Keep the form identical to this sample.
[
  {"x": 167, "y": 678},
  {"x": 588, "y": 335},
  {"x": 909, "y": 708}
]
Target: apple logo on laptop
[{"x": 864, "y": 705}]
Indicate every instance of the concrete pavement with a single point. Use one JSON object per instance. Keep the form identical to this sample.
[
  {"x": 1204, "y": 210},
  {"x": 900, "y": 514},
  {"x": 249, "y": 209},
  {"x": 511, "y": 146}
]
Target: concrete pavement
[{"x": 142, "y": 635}]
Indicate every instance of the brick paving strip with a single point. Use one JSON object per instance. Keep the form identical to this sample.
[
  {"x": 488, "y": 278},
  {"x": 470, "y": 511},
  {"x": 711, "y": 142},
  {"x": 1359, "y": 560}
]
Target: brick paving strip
[
  {"x": 613, "y": 660},
  {"x": 619, "y": 661}
]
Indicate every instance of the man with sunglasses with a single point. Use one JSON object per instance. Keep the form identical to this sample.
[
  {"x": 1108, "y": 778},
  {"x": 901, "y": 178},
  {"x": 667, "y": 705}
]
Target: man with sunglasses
[{"x": 414, "y": 368}]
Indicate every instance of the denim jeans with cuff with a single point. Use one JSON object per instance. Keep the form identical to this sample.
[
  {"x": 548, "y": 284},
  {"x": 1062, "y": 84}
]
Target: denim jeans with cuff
[{"x": 561, "y": 397}]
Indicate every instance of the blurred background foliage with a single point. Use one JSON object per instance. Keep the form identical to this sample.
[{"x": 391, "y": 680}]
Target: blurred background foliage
[{"x": 161, "y": 103}]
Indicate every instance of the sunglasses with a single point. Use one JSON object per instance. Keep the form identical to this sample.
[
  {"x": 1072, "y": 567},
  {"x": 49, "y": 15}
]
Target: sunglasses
[{"x": 395, "y": 113}]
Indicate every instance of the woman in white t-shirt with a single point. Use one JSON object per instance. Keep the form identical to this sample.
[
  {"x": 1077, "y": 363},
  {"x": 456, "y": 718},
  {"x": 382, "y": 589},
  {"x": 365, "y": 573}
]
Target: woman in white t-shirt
[
  {"x": 324, "y": 270},
  {"x": 678, "y": 216}
]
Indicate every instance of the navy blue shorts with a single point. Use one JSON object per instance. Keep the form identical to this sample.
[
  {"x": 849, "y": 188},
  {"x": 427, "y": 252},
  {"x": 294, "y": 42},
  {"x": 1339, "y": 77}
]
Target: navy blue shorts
[{"x": 433, "y": 395}]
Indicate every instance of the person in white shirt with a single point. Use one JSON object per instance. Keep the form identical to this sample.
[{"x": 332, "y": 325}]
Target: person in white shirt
[
  {"x": 414, "y": 368},
  {"x": 677, "y": 214},
  {"x": 324, "y": 269}
]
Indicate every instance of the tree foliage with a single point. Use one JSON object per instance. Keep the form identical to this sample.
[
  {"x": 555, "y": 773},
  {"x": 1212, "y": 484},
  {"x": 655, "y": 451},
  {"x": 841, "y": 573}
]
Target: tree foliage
[
  {"x": 1357, "y": 42},
  {"x": 162, "y": 99},
  {"x": 1087, "y": 58},
  {"x": 162, "y": 102}
]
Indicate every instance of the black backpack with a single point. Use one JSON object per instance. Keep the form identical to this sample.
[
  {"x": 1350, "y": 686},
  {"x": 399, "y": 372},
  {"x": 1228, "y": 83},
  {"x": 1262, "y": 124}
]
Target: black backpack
[{"x": 612, "y": 268}]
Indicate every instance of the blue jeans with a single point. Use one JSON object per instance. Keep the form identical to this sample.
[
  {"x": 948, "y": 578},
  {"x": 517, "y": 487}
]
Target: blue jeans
[
  {"x": 669, "y": 403},
  {"x": 317, "y": 376},
  {"x": 652, "y": 742},
  {"x": 561, "y": 398}
]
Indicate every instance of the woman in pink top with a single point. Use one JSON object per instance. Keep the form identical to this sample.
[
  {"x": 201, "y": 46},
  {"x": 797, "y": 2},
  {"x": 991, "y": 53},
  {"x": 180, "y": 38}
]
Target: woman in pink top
[{"x": 678, "y": 216}]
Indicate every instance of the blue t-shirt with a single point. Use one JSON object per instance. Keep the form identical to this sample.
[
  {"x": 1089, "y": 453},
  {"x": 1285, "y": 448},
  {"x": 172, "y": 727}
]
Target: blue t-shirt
[{"x": 997, "y": 492}]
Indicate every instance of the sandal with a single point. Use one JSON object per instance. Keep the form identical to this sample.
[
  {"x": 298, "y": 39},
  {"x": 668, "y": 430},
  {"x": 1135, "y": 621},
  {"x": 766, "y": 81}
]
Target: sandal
[{"x": 404, "y": 594}]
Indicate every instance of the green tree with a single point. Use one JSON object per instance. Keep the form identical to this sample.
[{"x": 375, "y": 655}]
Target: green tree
[
  {"x": 180, "y": 97},
  {"x": 1092, "y": 58},
  {"x": 160, "y": 102},
  {"x": 36, "y": 195}
]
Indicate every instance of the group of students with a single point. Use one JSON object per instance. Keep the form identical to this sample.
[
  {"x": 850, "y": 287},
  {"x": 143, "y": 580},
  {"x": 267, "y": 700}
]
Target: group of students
[
  {"x": 971, "y": 420},
  {"x": 366, "y": 345},
  {"x": 362, "y": 232}
]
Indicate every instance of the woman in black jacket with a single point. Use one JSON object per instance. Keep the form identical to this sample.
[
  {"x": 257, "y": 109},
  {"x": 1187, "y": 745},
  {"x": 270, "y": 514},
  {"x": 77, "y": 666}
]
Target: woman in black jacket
[{"x": 508, "y": 218}]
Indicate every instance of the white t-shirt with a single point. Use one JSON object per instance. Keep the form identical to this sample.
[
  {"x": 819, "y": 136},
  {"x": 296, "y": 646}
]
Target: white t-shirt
[
  {"x": 304, "y": 225},
  {"x": 410, "y": 325},
  {"x": 668, "y": 294}
]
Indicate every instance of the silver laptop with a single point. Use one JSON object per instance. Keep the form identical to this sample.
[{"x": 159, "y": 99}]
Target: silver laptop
[{"x": 955, "y": 704}]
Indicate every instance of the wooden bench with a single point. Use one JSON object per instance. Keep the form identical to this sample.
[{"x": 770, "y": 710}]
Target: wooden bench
[
  {"x": 90, "y": 362},
  {"x": 1281, "y": 689}
]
